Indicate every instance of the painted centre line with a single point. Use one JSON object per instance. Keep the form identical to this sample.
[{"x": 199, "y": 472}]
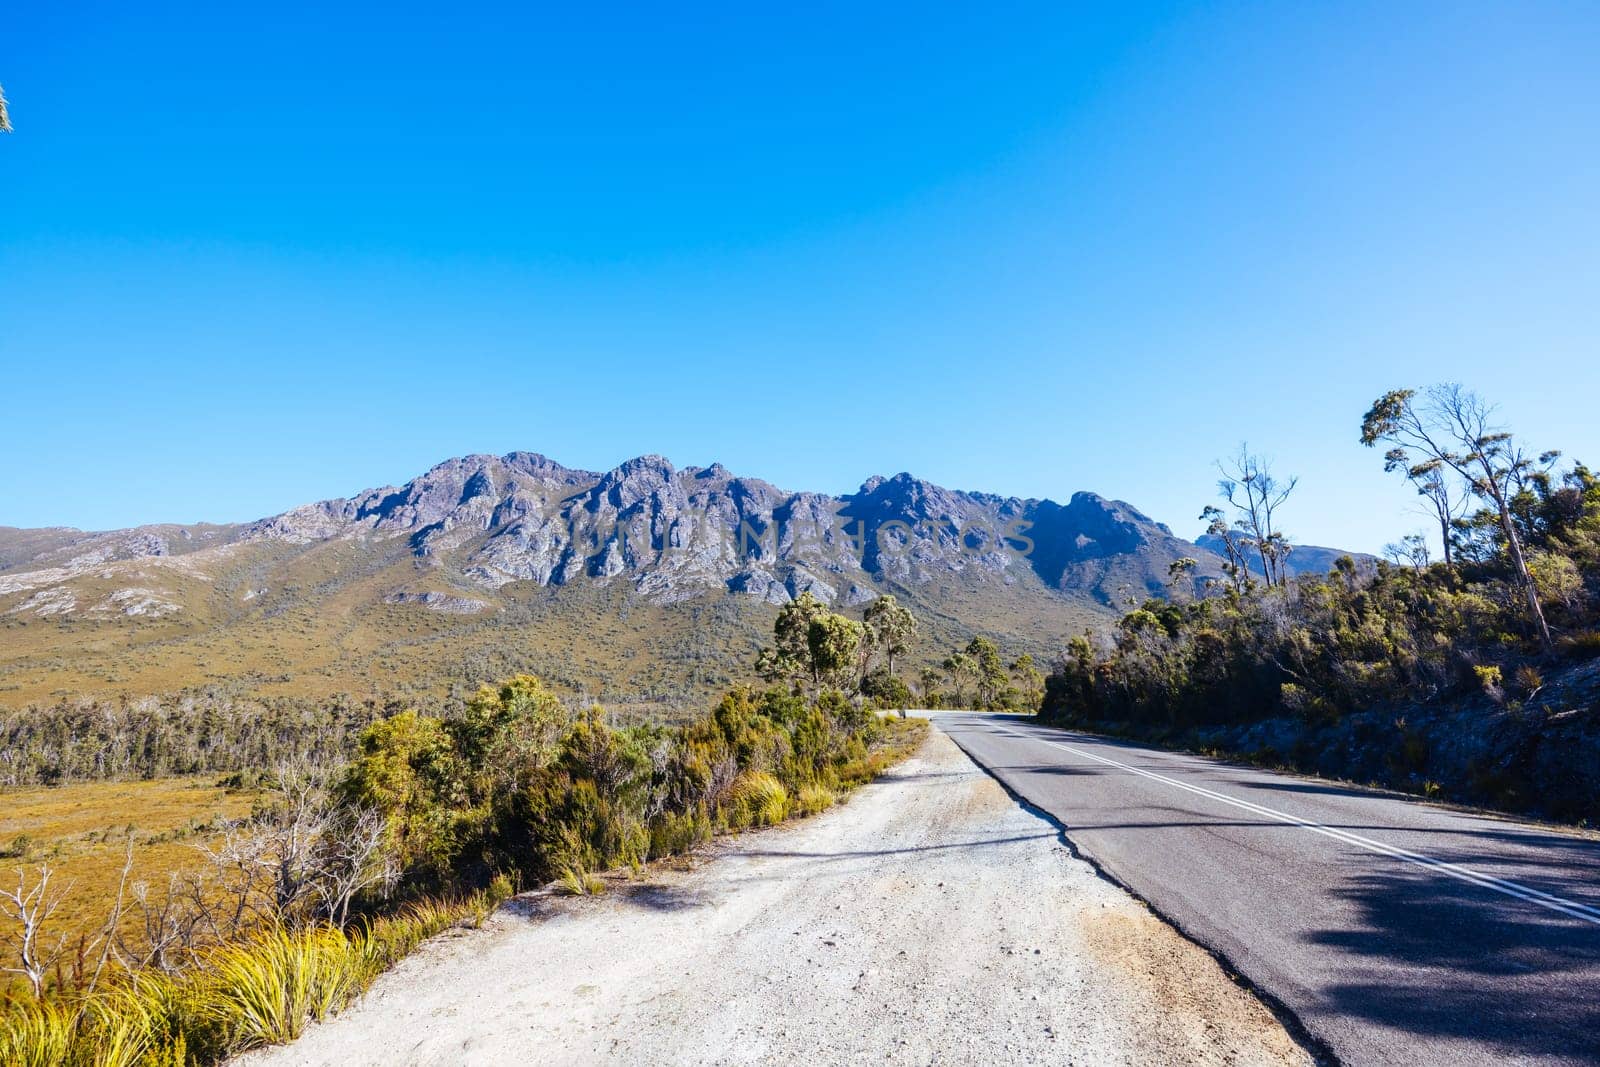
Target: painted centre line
[{"x": 1466, "y": 874}]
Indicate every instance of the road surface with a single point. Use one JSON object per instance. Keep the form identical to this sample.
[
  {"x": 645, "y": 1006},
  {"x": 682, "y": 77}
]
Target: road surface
[{"x": 1395, "y": 931}]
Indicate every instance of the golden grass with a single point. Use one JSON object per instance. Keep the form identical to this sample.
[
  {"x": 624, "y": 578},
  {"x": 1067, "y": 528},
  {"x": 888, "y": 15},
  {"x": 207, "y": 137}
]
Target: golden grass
[
  {"x": 79, "y": 811},
  {"x": 81, "y": 831},
  {"x": 759, "y": 799},
  {"x": 812, "y": 799},
  {"x": 37, "y": 1034},
  {"x": 264, "y": 990},
  {"x": 577, "y": 882}
]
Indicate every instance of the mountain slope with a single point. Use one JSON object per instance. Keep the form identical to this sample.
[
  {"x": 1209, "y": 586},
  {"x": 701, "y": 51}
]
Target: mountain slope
[
  {"x": 1303, "y": 559},
  {"x": 645, "y": 583}
]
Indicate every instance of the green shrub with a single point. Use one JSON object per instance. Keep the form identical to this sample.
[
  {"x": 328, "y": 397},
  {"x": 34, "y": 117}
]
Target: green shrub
[{"x": 675, "y": 832}]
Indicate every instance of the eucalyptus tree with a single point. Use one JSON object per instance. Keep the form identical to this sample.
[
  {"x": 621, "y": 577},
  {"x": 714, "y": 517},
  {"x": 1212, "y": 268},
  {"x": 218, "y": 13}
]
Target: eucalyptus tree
[
  {"x": 1392, "y": 420},
  {"x": 1451, "y": 428},
  {"x": 962, "y": 669},
  {"x": 1249, "y": 487},
  {"x": 1237, "y": 567},
  {"x": 892, "y": 625},
  {"x": 790, "y": 654},
  {"x": 833, "y": 641}
]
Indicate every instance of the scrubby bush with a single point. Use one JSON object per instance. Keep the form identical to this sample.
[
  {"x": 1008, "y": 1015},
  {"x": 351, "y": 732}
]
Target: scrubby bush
[{"x": 520, "y": 785}]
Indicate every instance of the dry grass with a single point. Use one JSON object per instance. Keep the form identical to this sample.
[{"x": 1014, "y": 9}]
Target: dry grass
[{"x": 81, "y": 831}]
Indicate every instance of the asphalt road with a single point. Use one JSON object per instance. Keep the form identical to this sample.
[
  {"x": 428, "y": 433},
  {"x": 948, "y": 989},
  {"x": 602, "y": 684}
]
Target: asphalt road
[{"x": 1395, "y": 931}]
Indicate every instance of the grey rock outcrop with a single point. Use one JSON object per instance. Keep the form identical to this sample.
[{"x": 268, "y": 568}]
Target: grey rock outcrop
[{"x": 674, "y": 534}]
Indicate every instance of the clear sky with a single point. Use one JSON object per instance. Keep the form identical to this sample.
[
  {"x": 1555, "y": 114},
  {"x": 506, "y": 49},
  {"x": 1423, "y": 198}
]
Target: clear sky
[{"x": 255, "y": 256}]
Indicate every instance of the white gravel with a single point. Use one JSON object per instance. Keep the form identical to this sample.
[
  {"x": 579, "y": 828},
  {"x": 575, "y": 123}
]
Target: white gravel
[{"x": 928, "y": 920}]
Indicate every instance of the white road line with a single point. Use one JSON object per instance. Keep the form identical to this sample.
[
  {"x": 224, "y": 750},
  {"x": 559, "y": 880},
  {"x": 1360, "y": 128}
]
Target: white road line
[{"x": 1465, "y": 874}]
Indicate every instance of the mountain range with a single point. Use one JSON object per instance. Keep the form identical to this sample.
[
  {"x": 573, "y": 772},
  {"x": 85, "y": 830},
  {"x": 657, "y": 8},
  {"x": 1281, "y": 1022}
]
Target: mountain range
[{"x": 644, "y": 584}]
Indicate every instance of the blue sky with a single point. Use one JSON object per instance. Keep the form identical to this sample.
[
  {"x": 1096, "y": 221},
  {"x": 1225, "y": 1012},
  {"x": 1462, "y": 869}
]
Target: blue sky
[{"x": 250, "y": 260}]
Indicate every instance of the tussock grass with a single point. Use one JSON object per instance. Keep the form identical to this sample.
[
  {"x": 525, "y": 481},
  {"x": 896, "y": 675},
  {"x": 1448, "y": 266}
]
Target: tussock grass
[
  {"x": 34, "y": 1034},
  {"x": 812, "y": 799},
  {"x": 759, "y": 799},
  {"x": 262, "y": 990},
  {"x": 577, "y": 882}
]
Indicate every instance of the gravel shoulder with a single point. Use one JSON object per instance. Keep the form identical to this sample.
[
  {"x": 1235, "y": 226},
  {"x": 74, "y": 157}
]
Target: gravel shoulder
[{"x": 931, "y": 919}]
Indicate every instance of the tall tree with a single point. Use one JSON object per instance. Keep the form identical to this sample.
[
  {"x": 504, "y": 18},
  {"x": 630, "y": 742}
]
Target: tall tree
[
  {"x": 1029, "y": 680},
  {"x": 1248, "y": 485},
  {"x": 1451, "y": 428},
  {"x": 1426, "y": 473},
  {"x": 893, "y": 626},
  {"x": 962, "y": 669},
  {"x": 990, "y": 671},
  {"x": 790, "y": 655},
  {"x": 833, "y": 641},
  {"x": 1237, "y": 568}
]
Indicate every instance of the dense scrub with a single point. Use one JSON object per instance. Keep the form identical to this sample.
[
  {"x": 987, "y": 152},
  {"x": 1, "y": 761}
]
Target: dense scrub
[
  {"x": 517, "y": 783},
  {"x": 187, "y": 733},
  {"x": 1407, "y": 637}
]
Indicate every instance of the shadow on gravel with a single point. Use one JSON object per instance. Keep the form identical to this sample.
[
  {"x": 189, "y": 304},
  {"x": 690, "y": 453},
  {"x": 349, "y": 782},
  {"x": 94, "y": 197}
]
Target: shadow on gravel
[
  {"x": 923, "y": 776},
  {"x": 660, "y": 897},
  {"x": 857, "y": 854},
  {"x": 1443, "y": 959}
]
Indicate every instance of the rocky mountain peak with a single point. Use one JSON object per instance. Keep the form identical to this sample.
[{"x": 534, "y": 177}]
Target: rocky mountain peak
[{"x": 483, "y": 522}]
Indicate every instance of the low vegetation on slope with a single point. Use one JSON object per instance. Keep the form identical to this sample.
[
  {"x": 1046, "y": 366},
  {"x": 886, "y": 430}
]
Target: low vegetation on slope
[
  {"x": 1430, "y": 675},
  {"x": 214, "y": 730},
  {"x": 341, "y": 870}
]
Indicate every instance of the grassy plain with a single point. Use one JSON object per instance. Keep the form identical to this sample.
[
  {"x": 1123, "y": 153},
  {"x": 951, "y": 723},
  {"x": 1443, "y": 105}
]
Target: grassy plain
[{"x": 81, "y": 831}]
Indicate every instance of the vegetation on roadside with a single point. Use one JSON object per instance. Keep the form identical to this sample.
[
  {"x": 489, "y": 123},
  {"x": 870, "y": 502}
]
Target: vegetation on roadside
[
  {"x": 339, "y": 870},
  {"x": 815, "y": 647},
  {"x": 1514, "y": 596},
  {"x": 977, "y": 676}
]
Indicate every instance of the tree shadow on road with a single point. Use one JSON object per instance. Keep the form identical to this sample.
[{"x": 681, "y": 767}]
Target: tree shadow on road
[
  {"x": 1069, "y": 770},
  {"x": 1443, "y": 959}
]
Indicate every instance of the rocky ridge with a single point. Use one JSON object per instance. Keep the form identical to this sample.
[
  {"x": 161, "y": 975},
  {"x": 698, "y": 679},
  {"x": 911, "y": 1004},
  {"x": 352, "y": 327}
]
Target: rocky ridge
[{"x": 485, "y": 522}]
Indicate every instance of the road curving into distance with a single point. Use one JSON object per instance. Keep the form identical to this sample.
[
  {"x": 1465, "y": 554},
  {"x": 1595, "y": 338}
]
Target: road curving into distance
[{"x": 1394, "y": 931}]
